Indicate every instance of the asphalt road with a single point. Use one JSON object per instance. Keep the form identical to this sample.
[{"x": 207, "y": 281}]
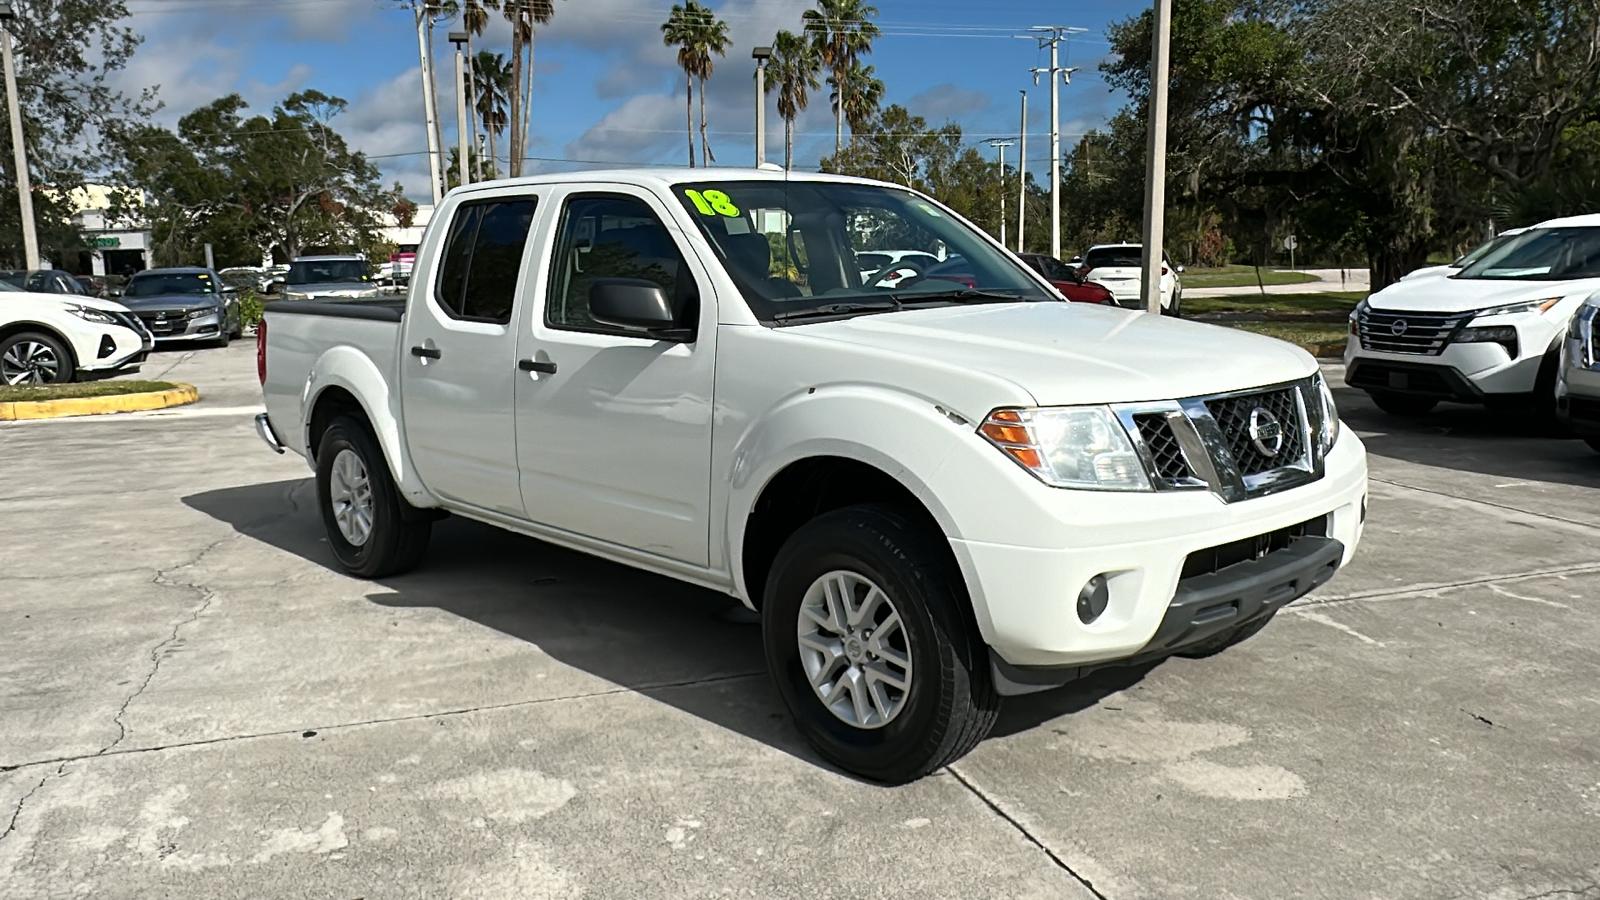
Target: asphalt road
[{"x": 193, "y": 703}]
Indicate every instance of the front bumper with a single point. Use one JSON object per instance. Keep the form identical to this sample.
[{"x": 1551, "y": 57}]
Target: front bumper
[
  {"x": 1464, "y": 372},
  {"x": 120, "y": 351},
  {"x": 1578, "y": 392},
  {"x": 1025, "y": 597}
]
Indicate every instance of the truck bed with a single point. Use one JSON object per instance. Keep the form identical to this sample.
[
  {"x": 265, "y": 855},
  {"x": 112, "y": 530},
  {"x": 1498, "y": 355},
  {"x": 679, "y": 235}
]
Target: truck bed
[
  {"x": 302, "y": 333},
  {"x": 381, "y": 309}
]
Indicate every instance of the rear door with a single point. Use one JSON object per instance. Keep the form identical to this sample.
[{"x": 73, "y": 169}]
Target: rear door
[
  {"x": 614, "y": 427},
  {"x": 458, "y": 354}
]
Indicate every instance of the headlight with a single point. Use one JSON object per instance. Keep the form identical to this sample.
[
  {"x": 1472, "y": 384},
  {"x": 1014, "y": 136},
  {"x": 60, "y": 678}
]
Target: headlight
[
  {"x": 1538, "y": 306},
  {"x": 99, "y": 317},
  {"x": 1068, "y": 446},
  {"x": 1329, "y": 432},
  {"x": 202, "y": 313}
]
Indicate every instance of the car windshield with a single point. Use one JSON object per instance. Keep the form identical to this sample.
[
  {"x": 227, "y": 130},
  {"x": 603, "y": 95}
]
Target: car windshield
[
  {"x": 15, "y": 279},
  {"x": 159, "y": 285},
  {"x": 796, "y": 248},
  {"x": 7, "y": 287},
  {"x": 1543, "y": 254},
  {"x": 1482, "y": 250},
  {"x": 326, "y": 271},
  {"x": 1114, "y": 257}
]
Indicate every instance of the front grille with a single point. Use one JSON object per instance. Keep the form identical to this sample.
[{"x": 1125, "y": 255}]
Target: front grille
[
  {"x": 1170, "y": 464},
  {"x": 1233, "y": 415},
  {"x": 165, "y": 322},
  {"x": 1215, "y": 559},
  {"x": 1399, "y": 331}
]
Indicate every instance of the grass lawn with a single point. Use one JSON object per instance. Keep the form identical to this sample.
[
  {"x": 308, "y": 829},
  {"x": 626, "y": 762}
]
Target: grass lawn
[
  {"x": 1241, "y": 276},
  {"x": 10, "y": 394},
  {"x": 1297, "y": 304},
  {"x": 1297, "y": 333}
]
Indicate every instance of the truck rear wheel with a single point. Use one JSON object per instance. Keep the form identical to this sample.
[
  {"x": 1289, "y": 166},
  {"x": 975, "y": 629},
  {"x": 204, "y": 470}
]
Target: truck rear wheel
[
  {"x": 867, "y": 639},
  {"x": 374, "y": 532}
]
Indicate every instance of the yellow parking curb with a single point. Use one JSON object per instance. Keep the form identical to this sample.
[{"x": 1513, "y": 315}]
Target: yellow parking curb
[{"x": 98, "y": 406}]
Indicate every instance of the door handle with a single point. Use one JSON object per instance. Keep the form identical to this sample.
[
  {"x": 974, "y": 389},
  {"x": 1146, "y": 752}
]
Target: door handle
[
  {"x": 534, "y": 365},
  {"x": 425, "y": 352}
]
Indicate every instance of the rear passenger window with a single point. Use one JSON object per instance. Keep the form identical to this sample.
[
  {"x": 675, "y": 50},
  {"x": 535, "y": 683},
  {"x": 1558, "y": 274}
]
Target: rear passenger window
[
  {"x": 482, "y": 257},
  {"x": 614, "y": 237}
]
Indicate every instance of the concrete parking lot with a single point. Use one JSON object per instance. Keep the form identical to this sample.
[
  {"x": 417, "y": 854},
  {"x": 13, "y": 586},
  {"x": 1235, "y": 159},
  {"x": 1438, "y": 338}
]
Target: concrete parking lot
[{"x": 193, "y": 703}]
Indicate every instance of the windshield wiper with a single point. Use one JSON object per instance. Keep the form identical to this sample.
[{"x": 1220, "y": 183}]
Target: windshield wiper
[
  {"x": 837, "y": 309},
  {"x": 966, "y": 295}
]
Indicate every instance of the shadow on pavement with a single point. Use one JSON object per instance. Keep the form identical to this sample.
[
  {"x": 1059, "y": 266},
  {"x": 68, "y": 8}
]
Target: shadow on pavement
[
  {"x": 670, "y": 641},
  {"x": 1465, "y": 438}
]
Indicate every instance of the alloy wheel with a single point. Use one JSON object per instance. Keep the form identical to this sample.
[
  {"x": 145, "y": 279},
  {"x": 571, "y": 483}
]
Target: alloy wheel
[
  {"x": 855, "y": 649},
  {"x": 350, "y": 492},
  {"x": 30, "y": 362}
]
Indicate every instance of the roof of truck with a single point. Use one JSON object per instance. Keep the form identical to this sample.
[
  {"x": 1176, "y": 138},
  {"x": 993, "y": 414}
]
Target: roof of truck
[{"x": 666, "y": 176}]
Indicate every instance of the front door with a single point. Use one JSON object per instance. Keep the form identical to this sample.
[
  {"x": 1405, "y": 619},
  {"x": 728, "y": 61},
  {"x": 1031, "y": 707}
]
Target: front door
[
  {"x": 458, "y": 356},
  {"x": 613, "y": 426}
]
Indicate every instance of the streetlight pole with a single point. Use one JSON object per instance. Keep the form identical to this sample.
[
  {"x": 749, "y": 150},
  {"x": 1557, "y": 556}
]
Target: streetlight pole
[
  {"x": 1155, "y": 188},
  {"x": 1022, "y": 174},
  {"x": 1000, "y": 145},
  {"x": 1053, "y": 35},
  {"x": 761, "y": 55},
  {"x": 460, "y": 38},
  {"x": 435, "y": 165},
  {"x": 19, "y": 147}
]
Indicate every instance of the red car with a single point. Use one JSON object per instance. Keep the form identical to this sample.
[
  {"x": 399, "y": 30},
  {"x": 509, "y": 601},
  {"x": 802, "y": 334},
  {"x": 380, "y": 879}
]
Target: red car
[{"x": 1067, "y": 280}]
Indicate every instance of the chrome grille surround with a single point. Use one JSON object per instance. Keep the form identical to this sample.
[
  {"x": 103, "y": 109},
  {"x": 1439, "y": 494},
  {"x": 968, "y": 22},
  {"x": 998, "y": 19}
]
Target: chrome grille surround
[{"x": 1408, "y": 331}]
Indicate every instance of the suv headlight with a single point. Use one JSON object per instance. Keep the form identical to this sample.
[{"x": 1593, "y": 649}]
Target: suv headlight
[
  {"x": 1068, "y": 446},
  {"x": 1328, "y": 433},
  {"x": 97, "y": 316},
  {"x": 1535, "y": 306}
]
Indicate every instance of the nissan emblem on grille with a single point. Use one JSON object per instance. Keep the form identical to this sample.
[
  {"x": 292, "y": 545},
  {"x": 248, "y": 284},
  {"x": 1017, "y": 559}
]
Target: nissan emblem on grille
[
  {"x": 1399, "y": 327},
  {"x": 1266, "y": 432}
]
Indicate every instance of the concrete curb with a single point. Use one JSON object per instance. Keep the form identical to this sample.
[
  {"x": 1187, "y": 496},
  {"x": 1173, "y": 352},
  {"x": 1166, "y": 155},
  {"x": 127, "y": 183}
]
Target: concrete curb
[{"x": 97, "y": 406}]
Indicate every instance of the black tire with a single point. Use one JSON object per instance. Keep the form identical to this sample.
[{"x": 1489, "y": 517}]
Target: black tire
[
  {"x": 34, "y": 357},
  {"x": 1175, "y": 310},
  {"x": 399, "y": 532},
  {"x": 1404, "y": 404},
  {"x": 1221, "y": 642},
  {"x": 1593, "y": 442},
  {"x": 951, "y": 704}
]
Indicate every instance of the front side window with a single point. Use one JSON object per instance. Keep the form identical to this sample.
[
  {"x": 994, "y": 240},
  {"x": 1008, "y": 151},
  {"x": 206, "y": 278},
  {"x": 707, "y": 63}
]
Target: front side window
[
  {"x": 1544, "y": 254},
  {"x": 801, "y": 248},
  {"x": 614, "y": 236},
  {"x": 482, "y": 258},
  {"x": 163, "y": 285}
]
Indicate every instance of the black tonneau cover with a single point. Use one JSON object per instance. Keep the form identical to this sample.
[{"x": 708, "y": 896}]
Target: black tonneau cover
[{"x": 380, "y": 309}]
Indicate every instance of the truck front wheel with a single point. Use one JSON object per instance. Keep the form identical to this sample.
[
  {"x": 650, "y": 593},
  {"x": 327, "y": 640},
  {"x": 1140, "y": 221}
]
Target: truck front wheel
[
  {"x": 374, "y": 532},
  {"x": 867, "y": 639}
]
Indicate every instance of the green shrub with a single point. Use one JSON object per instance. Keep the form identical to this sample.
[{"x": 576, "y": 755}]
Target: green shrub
[{"x": 250, "y": 307}]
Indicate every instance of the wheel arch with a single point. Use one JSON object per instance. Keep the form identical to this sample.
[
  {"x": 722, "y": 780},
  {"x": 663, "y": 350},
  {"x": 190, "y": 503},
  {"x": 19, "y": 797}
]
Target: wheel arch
[
  {"x": 11, "y": 329},
  {"x": 346, "y": 381}
]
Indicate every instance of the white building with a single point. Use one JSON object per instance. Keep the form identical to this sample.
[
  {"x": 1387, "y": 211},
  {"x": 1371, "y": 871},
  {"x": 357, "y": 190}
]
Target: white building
[{"x": 118, "y": 246}]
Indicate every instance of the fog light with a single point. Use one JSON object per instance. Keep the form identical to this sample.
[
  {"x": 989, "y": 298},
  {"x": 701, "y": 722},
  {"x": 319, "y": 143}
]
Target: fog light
[{"x": 1093, "y": 599}]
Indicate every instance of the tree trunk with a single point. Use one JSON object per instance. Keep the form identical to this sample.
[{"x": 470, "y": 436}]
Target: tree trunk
[
  {"x": 688, "y": 114},
  {"x": 838, "y": 112},
  {"x": 788, "y": 143},
  {"x": 472, "y": 110},
  {"x": 514, "y": 144},
  {"x": 705, "y": 146},
  {"x": 1390, "y": 261}
]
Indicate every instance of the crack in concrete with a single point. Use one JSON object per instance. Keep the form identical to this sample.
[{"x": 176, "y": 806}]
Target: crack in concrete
[
  {"x": 182, "y": 358},
  {"x": 17, "y": 813},
  {"x": 1583, "y": 891},
  {"x": 994, "y": 806},
  {"x": 1428, "y": 590},
  {"x": 300, "y": 730},
  {"x": 1490, "y": 503}
]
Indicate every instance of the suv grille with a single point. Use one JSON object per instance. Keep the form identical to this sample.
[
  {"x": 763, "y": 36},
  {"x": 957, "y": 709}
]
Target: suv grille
[
  {"x": 1398, "y": 331},
  {"x": 1170, "y": 464},
  {"x": 1233, "y": 416}
]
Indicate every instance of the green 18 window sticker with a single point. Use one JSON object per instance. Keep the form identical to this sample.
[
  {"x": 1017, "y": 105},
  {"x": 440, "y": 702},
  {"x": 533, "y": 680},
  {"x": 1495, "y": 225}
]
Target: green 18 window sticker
[{"x": 712, "y": 203}]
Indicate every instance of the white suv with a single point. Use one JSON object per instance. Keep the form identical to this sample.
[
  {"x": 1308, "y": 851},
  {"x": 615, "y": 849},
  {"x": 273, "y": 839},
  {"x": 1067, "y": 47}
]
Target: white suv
[
  {"x": 1119, "y": 268},
  {"x": 1489, "y": 334}
]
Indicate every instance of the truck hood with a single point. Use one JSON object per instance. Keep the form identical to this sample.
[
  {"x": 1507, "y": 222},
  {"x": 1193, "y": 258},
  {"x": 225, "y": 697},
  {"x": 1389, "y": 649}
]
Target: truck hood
[
  {"x": 173, "y": 301},
  {"x": 1448, "y": 295},
  {"x": 1066, "y": 353},
  {"x": 31, "y": 300}
]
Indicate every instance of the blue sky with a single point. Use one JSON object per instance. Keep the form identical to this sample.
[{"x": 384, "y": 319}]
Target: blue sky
[{"x": 606, "y": 88}]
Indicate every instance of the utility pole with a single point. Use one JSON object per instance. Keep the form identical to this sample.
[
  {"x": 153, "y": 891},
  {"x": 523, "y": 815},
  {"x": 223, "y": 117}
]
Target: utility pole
[
  {"x": 1052, "y": 36},
  {"x": 434, "y": 165},
  {"x": 1000, "y": 145},
  {"x": 761, "y": 55},
  {"x": 19, "y": 146},
  {"x": 1155, "y": 188},
  {"x": 1022, "y": 174},
  {"x": 459, "y": 39}
]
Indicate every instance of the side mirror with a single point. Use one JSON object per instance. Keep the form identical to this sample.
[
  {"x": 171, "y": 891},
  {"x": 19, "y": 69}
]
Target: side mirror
[{"x": 637, "y": 305}]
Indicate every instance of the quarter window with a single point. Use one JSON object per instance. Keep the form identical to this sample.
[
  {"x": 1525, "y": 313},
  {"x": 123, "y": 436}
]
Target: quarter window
[
  {"x": 614, "y": 237},
  {"x": 482, "y": 257}
]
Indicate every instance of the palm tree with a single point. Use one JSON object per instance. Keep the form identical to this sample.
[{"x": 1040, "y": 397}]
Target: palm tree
[
  {"x": 842, "y": 33},
  {"x": 711, "y": 36},
  {"x": 793, "y": 68},
  {"x": 525, "y": 16},
  {"x": 679, "y": 31},
  {"x": 492, "y": 80},
  {"x": 866, "y": 94}
]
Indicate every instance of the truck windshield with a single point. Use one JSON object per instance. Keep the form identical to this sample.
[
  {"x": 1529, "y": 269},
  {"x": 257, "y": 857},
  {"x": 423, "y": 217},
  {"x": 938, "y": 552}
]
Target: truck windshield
[
  {"x": 326, "y": 271},
  {"x": 1543, "y": 254},
  {"x": 174, "y": 283},
  {"x": 798, "y": 247}
]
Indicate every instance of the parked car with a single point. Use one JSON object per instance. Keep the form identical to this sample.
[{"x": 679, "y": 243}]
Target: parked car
[
  {"x": 934, "y": 495},
  {"x": 1119, "y": 269},
  {"x": 1578, "y": 384},
  {"x": 328, "y": 278},
  {"x": 253, "y": 278},
  {"x": 1466, "y": 259},
  {"x": 44, "y": 281},
  {"x": 186, "y": 305},
  {"x": 1067, "y": 280},
  {"x": 1490, "y": 334},
  {"x": 56, "y": 338}
]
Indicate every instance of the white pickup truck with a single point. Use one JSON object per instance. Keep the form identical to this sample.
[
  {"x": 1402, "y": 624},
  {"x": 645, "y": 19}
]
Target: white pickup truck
[{"x": 934, "y": 494}]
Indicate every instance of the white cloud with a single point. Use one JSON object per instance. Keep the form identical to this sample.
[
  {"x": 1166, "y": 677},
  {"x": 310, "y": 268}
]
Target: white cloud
[{"x": 946, "y": 101}]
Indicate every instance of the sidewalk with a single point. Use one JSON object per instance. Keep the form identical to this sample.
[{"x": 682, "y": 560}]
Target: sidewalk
[{"x": 1330, "y": 280}]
